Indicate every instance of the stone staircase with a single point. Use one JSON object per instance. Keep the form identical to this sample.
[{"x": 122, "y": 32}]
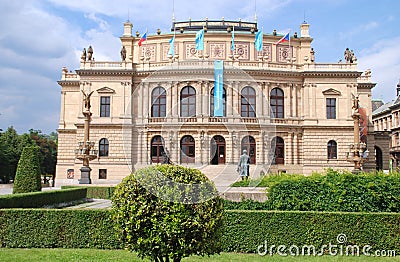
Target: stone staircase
[{"x": 225, "y": 175}]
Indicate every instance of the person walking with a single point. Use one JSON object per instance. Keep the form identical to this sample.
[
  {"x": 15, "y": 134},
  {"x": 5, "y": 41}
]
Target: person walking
[{"x": 244, "y": 165}]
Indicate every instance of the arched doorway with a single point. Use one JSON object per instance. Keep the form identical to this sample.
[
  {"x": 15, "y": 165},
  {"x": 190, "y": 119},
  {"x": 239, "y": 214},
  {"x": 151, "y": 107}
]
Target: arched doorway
[
  {"x": 378, "y": 158},
  {"x": 278, "y": 147},
  {"x": 249, "y": 143},
  {"x": 188, "y": 149},
  {"x": 157, "y": 149},
  {"x": 217, "y": 150}
]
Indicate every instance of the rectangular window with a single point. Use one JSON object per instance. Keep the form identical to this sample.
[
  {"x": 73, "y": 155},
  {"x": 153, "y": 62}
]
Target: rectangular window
[
  {"x": 331, "y": 108},
  {"x": 102, "y": 173},
  {"x": 105, "y": 106}
]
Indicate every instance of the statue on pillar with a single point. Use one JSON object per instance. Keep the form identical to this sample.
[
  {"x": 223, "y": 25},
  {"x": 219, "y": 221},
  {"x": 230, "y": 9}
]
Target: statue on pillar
[
  {"x": 347, "y": 55},
  {"x": 86, "y": 100},
  {"x": 89, "y": 53},
  {"x": 123, "y": 54},
  {"x": 356, "y": 105}
]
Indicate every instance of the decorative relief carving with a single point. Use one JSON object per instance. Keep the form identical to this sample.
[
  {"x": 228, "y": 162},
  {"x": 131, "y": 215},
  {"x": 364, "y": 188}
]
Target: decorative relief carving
[
  {"x": 283, "y": 53},
  {"x": 242, "y": 50},
  {"x": 149, "y": 51},
  {"x": 217, "y": 50},
  {"x": 190, "y": 51},
  {"x": 267, "y": 51}
]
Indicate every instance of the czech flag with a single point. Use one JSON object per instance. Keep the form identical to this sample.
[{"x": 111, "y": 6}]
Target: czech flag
[
  {"x": 285, "y": 38},
  {"x": 144, "y": 38}
]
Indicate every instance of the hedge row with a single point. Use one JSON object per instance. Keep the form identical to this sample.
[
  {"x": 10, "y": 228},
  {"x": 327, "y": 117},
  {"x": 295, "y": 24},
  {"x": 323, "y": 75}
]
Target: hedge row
[
  {"x": 337, "y": 191},
  {"x": 99, "y": 192},
  {"x": 44, "y": 198},
  {"x": 243, "y": 231}
]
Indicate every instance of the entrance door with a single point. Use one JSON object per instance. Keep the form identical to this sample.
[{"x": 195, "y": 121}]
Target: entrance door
[
  {"x": 249, "y": 143},
  {"x": 217, "y": 150}
]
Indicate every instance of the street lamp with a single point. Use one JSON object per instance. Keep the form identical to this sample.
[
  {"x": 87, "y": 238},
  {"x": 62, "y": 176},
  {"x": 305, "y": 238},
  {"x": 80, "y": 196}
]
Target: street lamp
[
  {"x": 85, "y": 150},
  {"x": 358, "y": 153}
]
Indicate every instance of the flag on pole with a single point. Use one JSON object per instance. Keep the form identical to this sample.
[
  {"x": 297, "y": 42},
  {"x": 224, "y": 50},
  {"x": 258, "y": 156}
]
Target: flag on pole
[
  {"x": 285, "y": 38},
  {"x": 142, "y": 39},
  {"x": 171, "y": 46},
  {"x": 200, "y": 40},
  {"x": 233, "y": 39},
  {"x": 259, "y": 41}
]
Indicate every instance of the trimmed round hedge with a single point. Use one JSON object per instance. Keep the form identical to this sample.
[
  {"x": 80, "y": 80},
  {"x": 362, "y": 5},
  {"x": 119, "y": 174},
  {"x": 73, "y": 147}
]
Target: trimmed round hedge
[{"x": 168, "y": 212}]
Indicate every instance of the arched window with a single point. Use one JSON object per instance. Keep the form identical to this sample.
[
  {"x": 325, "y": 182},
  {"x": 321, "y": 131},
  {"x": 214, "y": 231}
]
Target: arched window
[
  {"x": 248, "y": 102},
  {"x": 277, "y": 103},
  {"x": 188, "y": 102},
  {"x": 187, "y": 149},
  {"x": 278, "y": 147},
  {"x": 212, "y": 102},
  {"x": 249, "y": 143},
  {"x": 332, "y": 149},
  {"x": 103, "y": 147},
  {"x": 158, "y": 102},
  {"x": 157, "y": 150}
]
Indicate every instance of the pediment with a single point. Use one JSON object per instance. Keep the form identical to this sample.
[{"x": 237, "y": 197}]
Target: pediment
[
  {"x": 105, "y": 90},
  {"x": 332, "y": 92}
]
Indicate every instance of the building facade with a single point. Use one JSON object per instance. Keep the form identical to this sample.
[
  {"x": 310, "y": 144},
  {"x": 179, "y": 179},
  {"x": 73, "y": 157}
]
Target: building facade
[
  {"x": 291, "y": 114},
  {"x": 385, "y": 119}
]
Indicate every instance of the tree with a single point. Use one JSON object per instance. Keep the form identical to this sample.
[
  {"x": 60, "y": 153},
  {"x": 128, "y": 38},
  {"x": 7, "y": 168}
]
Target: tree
[
  {"x": 165, "y": 212},
  {"x": 28, "y": 176},
  {"x": 48, "y": 150},
  {"x": 11, "y": 145}
]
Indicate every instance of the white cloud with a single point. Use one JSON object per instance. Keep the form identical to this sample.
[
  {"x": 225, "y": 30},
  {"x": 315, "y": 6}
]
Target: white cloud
[{"x": 383, "y": 58}]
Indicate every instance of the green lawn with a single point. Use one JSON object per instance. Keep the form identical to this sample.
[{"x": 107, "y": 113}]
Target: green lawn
[{"x": 31, "y": 255}]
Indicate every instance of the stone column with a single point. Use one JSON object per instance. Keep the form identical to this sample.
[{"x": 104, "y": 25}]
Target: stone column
[
  {"x": 259, "y": 99},
  {"x": 289, "y": 146},
  {"x": 62, "y": 113},
  {"x": 236, "y": 98},
  {"x": 295, "y": 149},
  {"x": 198, "y": 99},
  {"x": 229, "y": 100}
]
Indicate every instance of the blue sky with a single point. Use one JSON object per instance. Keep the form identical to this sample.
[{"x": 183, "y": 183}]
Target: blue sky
[{"x": 39, "y": 37}]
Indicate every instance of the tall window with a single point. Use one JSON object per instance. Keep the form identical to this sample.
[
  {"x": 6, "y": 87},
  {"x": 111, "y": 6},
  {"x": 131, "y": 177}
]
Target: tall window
[
  {"x": 104, "y": 106},
  {"x": 103, "y": 147},
  {"x": 212, "y": 102},
  {"x": 158, "y": 102},
  {"x": 248, "y": 102},
  {"x": 277, "y": 103},
  {"x": 278, "y": 147},
  {"x": 332, "y": 149},
  {"x": 188, "y": 102},
  {"x": 157, "y": 150},
  {"x": 188, "y": 150},
  {"x": 331, "y": 108}
]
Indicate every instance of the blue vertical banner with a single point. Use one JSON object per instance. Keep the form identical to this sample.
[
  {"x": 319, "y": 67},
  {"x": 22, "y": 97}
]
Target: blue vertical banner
[
  {"x": 200, "y": 40},
  {"x": 218, "y": 87}
]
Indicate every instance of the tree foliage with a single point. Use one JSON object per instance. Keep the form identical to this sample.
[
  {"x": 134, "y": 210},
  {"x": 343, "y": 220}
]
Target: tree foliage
[
  {"x": 12, "y": 144},
  {"x": 28, "y": 176},
  {"x": 162, "y": 229}
]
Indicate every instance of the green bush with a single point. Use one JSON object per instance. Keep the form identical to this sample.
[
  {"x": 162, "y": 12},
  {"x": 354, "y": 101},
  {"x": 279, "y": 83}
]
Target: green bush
[
  {"x": 160, "y": 213},
  {"x": 337, "y": 191},
  {"x": 243, "y": 231},
  {"x": 40, "y": 199},
  {"x": 28, "y": 177},
  {"x": 57, "y": 228},
  {"x": 99, "y": 192}
]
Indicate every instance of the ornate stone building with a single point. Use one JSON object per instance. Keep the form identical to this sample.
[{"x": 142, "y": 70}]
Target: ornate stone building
[
  {"x": 386, "y": 121},
  {"x": 290, "y": 113}
]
